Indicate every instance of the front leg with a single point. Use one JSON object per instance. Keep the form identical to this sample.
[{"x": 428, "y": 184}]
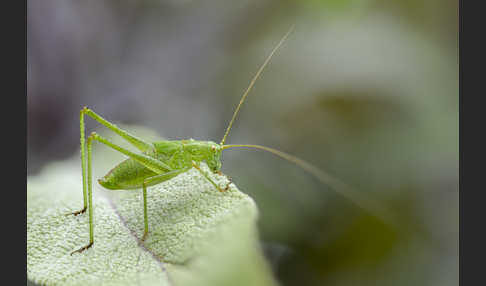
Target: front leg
[{"x": 205, "y": 175}]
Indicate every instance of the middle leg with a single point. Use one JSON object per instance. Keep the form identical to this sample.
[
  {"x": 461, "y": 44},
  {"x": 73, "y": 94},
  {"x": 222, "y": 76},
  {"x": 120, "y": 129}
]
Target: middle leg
[{"x": 157, "y": 179}]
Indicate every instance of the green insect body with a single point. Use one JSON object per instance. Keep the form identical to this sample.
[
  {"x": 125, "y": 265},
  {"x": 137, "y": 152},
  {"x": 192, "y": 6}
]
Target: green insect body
[
  {"x": 178, "y": 155},
  {"x": 161, "y": 161}
]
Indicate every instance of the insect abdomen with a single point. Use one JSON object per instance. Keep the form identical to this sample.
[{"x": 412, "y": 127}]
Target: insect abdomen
[{"x": 129, "y": 174}]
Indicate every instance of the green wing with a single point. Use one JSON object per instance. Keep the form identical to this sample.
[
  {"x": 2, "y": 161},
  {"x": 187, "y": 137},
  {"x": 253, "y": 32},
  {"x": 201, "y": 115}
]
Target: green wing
[{"x": 167, "y": 148}]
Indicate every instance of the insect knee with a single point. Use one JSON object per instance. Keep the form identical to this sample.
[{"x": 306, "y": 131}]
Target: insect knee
[
  {"x": 93, "y": 135},
  {"x": 84, "y": 110}
]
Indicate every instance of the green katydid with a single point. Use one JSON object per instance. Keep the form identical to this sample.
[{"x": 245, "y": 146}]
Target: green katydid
[{"x": 163, "y": 160}]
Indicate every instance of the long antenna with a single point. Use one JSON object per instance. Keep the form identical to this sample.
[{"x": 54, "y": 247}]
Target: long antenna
[
  {"x": 252, "y": 83},
  {"x": 343, "y": 189}
]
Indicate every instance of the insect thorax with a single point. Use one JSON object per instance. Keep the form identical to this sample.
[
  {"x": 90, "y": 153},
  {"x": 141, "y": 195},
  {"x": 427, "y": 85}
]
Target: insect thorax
[{"x": 181, "y": 153}]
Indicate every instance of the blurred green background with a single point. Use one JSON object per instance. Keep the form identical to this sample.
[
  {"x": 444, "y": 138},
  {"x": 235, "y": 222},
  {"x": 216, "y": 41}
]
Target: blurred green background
[{"x": 366, "y": 90}]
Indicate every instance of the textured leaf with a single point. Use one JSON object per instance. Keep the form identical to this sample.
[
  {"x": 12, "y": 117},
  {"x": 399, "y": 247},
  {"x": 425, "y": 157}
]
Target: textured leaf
[{"x": 197, "y": 235}]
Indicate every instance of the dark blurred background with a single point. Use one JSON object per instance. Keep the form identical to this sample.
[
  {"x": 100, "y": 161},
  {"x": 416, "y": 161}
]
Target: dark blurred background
[{"x": 365, "y": 89}]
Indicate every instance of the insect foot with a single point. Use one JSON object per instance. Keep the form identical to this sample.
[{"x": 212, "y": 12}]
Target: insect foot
[
  {"x": 144, "y": 236},
  {"x": 78, "y": 212},
  {"x": 227, "y": 185},
  {"x": 82, "y": 248},
  {"x": 225, "y": 188}
]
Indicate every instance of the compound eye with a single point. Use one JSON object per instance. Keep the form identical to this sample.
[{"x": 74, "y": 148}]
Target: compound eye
[{"x": 213, "y": 148}]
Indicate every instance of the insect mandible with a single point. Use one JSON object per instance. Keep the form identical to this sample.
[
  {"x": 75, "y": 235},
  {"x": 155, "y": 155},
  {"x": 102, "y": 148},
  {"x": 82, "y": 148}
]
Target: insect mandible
[{"x": 163, "y": 160}]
